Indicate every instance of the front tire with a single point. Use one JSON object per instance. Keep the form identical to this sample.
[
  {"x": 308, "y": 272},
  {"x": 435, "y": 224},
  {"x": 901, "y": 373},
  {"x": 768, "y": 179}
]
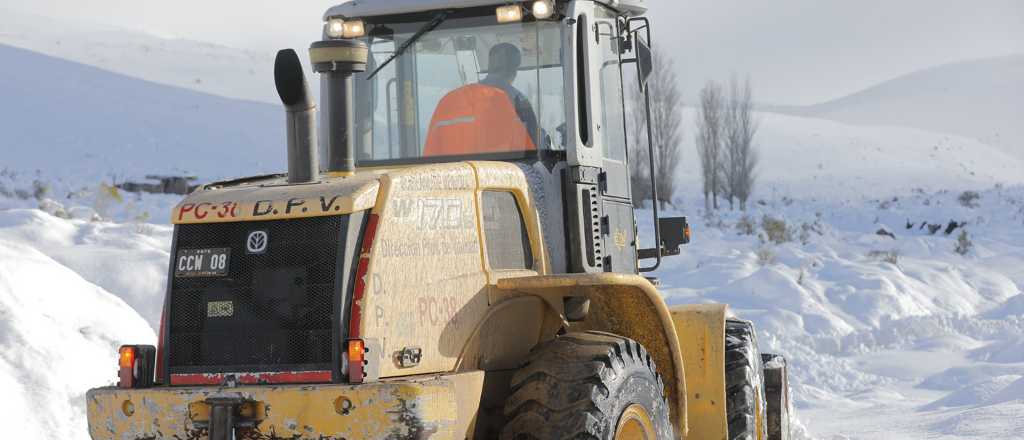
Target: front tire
[
  {"x": 776, "y": 392},
  {"x": 744, "y": 389},
  {"x": 590, "y": 385}
]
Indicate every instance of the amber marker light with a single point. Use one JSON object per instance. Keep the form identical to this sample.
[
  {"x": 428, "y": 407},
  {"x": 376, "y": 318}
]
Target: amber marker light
[
  {"x": 356, "y": 356},
  {"x": 126, "y": 366}
]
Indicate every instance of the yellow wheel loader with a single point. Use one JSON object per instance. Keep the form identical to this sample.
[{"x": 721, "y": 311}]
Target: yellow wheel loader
[{"x": 465, "y": 263}]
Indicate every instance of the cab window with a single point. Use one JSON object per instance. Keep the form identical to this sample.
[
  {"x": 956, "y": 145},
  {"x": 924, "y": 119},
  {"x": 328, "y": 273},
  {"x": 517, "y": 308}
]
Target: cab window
[
  {"x": 613, "y": 123},
  {"x": 469, "y": 87}
]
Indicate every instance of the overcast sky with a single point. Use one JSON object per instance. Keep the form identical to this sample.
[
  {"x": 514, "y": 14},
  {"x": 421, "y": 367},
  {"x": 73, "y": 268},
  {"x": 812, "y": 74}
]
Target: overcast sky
[{"x": 795, "y": 51}]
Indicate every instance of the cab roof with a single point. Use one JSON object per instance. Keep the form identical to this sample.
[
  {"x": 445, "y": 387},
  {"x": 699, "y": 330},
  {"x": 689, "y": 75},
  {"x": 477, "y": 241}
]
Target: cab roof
[{"x": 370, "y": 8}]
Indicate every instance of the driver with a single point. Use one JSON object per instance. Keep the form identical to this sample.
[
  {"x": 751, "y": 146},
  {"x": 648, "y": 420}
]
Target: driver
[
  {"x": 503, "y": 66},
  {"x": 488, "y": 117}
]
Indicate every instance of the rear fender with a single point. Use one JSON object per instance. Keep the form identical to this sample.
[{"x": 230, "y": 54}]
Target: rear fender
[{"x": 626, "y": 305}]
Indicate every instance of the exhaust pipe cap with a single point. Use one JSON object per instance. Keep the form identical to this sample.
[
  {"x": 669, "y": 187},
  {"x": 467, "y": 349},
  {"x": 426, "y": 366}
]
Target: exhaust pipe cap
[{"x": 338, "y": 55}]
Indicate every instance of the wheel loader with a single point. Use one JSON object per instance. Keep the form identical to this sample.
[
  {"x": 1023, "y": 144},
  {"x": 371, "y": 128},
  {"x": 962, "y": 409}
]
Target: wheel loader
[{"x": 452, "y": 253}]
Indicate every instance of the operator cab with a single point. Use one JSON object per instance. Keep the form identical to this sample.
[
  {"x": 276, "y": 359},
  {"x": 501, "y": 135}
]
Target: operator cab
[{"x": 535, "y": 82}]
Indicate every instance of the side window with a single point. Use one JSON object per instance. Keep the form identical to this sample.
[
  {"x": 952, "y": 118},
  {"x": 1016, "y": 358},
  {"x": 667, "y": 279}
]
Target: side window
[
  {"x": 613, "y": 129},
  {"x": 583, "y": 79},
  {"x": 508, "y": 245}
]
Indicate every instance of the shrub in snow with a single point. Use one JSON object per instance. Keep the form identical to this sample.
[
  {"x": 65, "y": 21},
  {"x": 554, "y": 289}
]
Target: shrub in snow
[
  {"x": 885, "y": 233},
  {"x": 746, "y": 225},
  {"x": 776, "y": 230},
  {"x": 53, "y": 208},
  {"x": 890, "y": 256},
  {"x": 969, "y": 199},
  {"x": 40, "y": 189},
  {"x": 963, "y": 243}
]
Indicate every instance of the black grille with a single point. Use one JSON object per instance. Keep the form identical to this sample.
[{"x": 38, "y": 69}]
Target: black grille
[{"x": 282, "y": 301}]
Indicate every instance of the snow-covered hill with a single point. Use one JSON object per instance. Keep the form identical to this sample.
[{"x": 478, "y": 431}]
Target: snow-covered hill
[
  {"x": 193, "y": 65},
  {"x": 80, "y": 125},
  {"x": 980, "y": 99},
  {"x": 811, "y": 157},
  {"x": 888, "y": 337}
]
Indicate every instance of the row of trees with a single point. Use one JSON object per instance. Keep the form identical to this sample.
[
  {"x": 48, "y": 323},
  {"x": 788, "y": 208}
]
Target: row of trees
[
  {"x": 725, "y": 134},
  {"x": 725, "y": 143}
]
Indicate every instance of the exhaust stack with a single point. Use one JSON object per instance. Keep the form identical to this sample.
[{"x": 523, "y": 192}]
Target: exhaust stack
[
  {"x": 303, "y": 164},
  {"x": 336, "y": 61}
]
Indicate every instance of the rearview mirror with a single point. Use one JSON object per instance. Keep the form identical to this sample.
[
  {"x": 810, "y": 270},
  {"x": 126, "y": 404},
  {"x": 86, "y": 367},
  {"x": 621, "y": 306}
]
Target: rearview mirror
[
  {"x": 644, "y": 60},
  {"x": 675, "y": 231}
]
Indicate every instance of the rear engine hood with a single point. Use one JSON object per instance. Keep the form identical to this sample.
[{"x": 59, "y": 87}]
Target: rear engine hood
[{"x": 273, "y": 199}]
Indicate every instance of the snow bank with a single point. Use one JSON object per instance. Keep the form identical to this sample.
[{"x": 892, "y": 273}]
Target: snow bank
[
  {"x": 58, "y": 337},
  {"x": 129, "y": 260}
]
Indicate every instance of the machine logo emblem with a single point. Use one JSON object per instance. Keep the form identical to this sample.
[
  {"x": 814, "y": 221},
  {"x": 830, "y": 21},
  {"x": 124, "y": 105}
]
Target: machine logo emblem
[{"x": 257, "y": 242}]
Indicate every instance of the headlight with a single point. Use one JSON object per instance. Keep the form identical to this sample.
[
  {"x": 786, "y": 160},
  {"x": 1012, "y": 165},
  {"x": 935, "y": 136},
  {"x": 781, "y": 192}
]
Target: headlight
[
  {"x": 510, "y": 14},
  {"x": 339, "y": 28},
  {"x": 543, "y": 9},
  {"x": 353, "y": 29},
  {"x": 335, "y": 27}
]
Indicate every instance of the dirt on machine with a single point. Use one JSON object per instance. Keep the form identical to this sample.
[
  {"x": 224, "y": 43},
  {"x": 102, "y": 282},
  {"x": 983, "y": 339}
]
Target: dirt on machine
[{"x": 452, "y": 254}]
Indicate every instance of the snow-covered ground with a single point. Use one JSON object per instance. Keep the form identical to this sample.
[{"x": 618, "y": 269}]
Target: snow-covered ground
[{"x": 887, "y": 337}]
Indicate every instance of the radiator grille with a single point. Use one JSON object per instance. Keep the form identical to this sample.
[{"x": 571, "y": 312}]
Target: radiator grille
[{"x": 274, "y": 311}]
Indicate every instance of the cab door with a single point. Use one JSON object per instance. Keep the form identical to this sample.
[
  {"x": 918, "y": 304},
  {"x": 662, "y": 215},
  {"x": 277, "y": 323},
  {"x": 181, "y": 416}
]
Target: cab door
[
  {"x": 619, "y": 232},
  {"x": 601, "y": 225}
]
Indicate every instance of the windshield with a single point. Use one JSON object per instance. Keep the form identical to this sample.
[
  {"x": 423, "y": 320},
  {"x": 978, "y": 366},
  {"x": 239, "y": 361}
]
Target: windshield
[{"x": 469, "y": 87}]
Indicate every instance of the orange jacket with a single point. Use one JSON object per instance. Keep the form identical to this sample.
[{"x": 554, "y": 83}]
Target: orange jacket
[{"x": 476, "y": 119}]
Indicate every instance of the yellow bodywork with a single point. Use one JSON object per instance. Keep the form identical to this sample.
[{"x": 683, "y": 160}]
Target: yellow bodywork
[
  {"x": 427, "y": 407},
  {"x": 701, "y": 327},
  {"x": 429, "y": 285}
]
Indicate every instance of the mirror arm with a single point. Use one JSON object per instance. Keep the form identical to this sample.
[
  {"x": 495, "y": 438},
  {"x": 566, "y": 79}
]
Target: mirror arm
[{"x": 654, "y": 190}]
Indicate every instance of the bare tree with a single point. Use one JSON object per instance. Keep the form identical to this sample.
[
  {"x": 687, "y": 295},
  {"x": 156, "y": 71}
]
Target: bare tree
[
  {"x": 709, "y": 142},
  {"x": 739, "y": 157},
  {"x": 639, "y": 164},
  {"x": 666, "y": 129}
]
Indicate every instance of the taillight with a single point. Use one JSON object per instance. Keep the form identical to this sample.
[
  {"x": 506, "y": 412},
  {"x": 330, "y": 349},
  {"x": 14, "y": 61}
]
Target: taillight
[
  {"x": 135, "y": 366},
  {"x": 356, "y": 360}
]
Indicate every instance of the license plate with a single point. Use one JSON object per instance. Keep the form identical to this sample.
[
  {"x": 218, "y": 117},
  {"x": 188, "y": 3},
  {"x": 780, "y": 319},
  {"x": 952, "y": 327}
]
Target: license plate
[{"x": 211, "y": 262}]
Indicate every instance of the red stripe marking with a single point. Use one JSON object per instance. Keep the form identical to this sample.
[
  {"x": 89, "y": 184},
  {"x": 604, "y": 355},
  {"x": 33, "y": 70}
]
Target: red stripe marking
[
  {"x": 253, "y": 378},
  {"x": 360, "y": 288}
]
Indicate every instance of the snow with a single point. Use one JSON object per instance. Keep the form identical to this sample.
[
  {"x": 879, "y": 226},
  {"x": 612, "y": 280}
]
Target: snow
[
  {"x": 128, "y": 260},
  {"x": 193, "y": 65},
  {"x": 979, "y": 99},
  {"x": 58, "y": 337},
  {"x": 874, "y": 328},
  {"x": 82, "y": 126}
]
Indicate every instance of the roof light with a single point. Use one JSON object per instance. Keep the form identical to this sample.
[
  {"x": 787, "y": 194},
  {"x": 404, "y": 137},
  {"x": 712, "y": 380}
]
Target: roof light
[
  {"x": 543, "y": 9},
  {"x": 353, "y": 29},
  {"x": 510, "y": 14},
  {"x": 335, "y": 28}
]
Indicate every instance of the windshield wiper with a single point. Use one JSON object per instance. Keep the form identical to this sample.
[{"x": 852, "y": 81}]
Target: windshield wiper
[{"x": 439, "y": 18}]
